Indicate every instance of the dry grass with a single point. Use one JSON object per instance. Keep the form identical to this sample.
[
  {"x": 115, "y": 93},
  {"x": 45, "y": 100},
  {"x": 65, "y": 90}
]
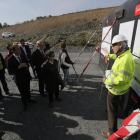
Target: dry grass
[{"x": 46, "y": 24}]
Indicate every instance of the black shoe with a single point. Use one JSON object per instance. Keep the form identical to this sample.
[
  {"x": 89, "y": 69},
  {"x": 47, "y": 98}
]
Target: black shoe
[
  {"x": 51, "y": 105},
  {"x": 24, "y": 108},
  {"x": 8, "y": 94},
  {"x": 1, "y": 133},
  {"x": 31, "y": 78},
  {"x": 43, "y": 95},
  {"x": 58, "y": 99},
  {"x": 32, "y": 101}
]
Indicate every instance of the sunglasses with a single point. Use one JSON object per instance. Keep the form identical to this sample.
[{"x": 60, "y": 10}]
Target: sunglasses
[{"x": 115, "y": 44}]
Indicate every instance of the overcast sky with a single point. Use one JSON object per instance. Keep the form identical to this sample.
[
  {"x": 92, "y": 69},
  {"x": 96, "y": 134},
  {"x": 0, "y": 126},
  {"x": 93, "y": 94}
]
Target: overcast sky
[{"x": 17, "y": 11}]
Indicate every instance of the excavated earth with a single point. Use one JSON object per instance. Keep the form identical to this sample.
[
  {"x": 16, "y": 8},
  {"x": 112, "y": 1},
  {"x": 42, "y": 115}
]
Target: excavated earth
[{"x": 79, "y": 116}]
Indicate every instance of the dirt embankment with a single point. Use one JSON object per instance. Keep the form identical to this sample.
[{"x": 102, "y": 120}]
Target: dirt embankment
[{"x": 77, "y": 27}]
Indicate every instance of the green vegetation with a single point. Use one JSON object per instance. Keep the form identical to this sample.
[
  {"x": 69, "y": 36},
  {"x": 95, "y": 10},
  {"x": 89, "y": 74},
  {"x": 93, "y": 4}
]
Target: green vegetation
[{"x": 82, "y": 42}]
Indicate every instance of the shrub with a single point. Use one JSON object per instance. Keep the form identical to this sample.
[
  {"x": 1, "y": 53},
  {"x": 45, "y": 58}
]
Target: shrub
[
  {"x": 83, "y": 42},
  {"x": 83, "y": 34}
]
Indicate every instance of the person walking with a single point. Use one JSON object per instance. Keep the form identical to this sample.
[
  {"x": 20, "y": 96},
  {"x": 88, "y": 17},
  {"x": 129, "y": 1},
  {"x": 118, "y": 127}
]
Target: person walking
[
  {"x": 2, "y": 78},
  {"x": 18, "y": 66},
  {"x": 120, "y": 79},
  {"x": 65, "y": 62},
  {"x": 51, "y": 76},
  {"x": 38, "y": 58}
]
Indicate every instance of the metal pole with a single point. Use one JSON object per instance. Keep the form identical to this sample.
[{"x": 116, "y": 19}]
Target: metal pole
[
  {"x": 75, "y": 71},
  {"x": 97, "y": 48},
  {"x": 103, "y": 83}
]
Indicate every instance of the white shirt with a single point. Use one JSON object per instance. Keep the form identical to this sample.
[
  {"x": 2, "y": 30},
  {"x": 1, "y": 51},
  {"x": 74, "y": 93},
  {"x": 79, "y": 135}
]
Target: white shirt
[
  {"x": 24, "y": 50},
  {"x": 51, "y": 62}
]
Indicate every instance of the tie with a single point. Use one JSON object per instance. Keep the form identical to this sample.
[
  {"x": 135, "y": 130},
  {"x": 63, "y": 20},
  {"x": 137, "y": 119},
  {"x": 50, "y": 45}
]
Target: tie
[
  {"x": 43, "y": 54},
  {"x": 19, "y": 59}
]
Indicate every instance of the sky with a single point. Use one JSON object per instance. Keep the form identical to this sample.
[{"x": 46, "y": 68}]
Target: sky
[{"x": 18, "y": 11}]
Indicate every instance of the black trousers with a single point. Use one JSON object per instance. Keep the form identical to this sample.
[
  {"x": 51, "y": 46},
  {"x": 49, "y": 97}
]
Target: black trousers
[
  {"x": 0, "y": 93},
  {"x": 112, "y": 108},
  {"x": 52, "y": 91},
  {"x": 24, "y": 89},
  {"x": 4, "y": 84},
  {"x": 41, "y": 82},
  {"x": 113, "y": 101}
]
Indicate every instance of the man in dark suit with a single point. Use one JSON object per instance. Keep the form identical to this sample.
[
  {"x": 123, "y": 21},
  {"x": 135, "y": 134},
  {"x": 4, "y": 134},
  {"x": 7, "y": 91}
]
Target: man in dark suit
[
  {"x": 38, "y": 58},
  {"x": 2, "y": 78},
  {"x": 18, "y": 66},
  {"x": 25, "y": 50},
  {"x": 46, "y": 47}
]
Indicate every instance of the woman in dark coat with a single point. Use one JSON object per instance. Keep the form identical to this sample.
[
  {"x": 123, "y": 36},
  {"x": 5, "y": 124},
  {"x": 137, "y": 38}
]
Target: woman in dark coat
[{"x": 51, "y": 77}]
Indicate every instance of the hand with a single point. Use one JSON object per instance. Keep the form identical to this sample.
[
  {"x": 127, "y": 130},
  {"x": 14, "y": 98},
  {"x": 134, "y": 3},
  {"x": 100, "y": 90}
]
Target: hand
[
  {"x": 105, "y": 57},
  {"x": 22, "y": 65},
  {"x": 71, "y": 63},
  {"x": 104, "y": 79}
]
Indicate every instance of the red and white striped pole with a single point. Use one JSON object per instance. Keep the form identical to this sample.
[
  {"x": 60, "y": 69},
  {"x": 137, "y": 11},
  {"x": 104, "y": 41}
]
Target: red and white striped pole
[
  {"x": 130, "y": 126},
  {"x": 98, "y": 48}
]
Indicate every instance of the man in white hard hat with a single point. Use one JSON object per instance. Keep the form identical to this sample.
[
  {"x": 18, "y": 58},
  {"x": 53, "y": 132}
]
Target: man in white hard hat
[{"x": 120, "y": 79}]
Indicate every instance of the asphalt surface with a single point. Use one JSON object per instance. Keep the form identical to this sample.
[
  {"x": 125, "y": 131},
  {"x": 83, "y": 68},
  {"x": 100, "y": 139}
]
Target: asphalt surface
[{"x": 79, "y": 116}]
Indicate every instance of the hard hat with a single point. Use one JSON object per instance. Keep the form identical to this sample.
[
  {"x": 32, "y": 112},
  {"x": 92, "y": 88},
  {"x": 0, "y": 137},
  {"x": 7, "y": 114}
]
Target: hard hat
[{"x": 119, "y": 38}]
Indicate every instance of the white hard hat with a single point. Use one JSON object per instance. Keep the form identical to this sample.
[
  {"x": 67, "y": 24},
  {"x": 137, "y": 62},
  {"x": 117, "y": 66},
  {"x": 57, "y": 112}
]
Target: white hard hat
[{"x": 119, "y": 38}]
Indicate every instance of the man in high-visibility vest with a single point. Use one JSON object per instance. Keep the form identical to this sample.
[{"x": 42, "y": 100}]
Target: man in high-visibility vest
[{"x": 121, "y": 76}]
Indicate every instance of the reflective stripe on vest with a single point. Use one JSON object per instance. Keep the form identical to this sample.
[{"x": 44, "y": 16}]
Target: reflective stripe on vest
[
  {"x": 112, "y": 81},
  {"x": 1, "y": 66},
  {"x": 125, "y": 73},
  {"x": 112, "y": 72},
  {"x": 115, "y": 56},
  {"x": 119, "y": 92}
]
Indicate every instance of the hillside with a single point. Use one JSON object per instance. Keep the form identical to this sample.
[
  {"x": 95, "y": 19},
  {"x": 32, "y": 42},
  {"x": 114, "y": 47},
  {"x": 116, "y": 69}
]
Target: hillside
[{"x": 34, "y": 30}]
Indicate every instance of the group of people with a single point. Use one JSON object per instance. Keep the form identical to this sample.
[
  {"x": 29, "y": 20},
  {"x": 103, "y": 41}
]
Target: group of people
[
  {"x": 43, "y": 62},
  {"x": 44, "y": 66}
]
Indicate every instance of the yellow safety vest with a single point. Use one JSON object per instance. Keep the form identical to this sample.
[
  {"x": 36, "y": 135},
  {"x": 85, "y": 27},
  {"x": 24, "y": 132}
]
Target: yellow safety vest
[
  {"x": 1, "y": 66},
  {"x": 121, "y": 73}
]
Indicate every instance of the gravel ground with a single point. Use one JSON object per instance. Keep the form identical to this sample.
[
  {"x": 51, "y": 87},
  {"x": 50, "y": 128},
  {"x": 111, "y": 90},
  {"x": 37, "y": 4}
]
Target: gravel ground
[{"x": 79, "y": 116}]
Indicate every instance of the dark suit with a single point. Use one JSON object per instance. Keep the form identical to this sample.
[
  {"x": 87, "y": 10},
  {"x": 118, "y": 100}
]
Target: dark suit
[
  {"x": 28, "y": 55},
  {"x": 28, "y": 51},
  {"x": 21, "y": 77},
  {"x": 52, "y": 78},
  {"x": 2, "y": 76},
  {"x": 38, "y": 59}
]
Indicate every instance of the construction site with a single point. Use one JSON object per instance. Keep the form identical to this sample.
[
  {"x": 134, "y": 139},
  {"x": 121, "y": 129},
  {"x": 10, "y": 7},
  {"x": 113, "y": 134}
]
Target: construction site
[{"x": 83, "y": 112}]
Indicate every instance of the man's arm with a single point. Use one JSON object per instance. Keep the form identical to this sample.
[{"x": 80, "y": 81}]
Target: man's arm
[
  {"x": 28, "y": 51},
  {"x": 12, "y": 69},
  {"x": 123, "y": 77},
  {"x": 34, "y": 59}
]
